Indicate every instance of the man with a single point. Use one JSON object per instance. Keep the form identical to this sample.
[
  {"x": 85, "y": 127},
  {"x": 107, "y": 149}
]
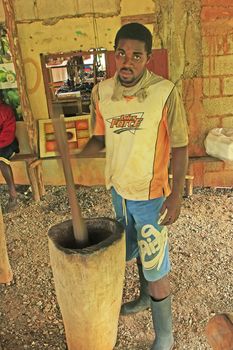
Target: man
[
  {"x": 8, "y": 147},
  {"x": 139, "y": 118}
]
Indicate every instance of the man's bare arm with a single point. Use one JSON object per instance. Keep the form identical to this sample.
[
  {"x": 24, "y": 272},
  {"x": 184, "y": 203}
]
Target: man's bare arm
[
  {"x": 173, "y": 201},
  {"x": 94, "y": 145},
  {"x": 179, "y": 169}
]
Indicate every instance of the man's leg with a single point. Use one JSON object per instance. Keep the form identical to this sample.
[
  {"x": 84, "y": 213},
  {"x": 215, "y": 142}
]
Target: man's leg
[
  {"x": 154, "y": 254},
  {"x": 143, "y": 302},
  {"x": 160, "y": 289},
  {"x": 124, "y": 216},
  {"x": 8, "y": 176},
  {"x": 161, "y": 314}
]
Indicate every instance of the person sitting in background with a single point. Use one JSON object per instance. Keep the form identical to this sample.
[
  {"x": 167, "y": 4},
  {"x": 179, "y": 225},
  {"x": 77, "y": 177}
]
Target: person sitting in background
[{"x": 8, "y": 147}]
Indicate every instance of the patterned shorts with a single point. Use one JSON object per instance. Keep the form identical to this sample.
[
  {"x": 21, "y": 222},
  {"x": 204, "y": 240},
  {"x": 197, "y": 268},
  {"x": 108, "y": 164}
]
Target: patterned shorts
[
  {"x": 144, "y": 236},
  {"x": 6, "y": 153}
]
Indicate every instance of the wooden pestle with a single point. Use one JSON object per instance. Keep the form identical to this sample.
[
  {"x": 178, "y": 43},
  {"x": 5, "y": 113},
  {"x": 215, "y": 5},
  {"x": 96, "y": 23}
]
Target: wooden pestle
[{"x": 79, "y": 226}]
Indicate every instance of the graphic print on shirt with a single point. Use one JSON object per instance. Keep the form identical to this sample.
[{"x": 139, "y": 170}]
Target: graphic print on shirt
[
  {"x": 152, "y": 245},
  {"x": 126, "y": 122}
]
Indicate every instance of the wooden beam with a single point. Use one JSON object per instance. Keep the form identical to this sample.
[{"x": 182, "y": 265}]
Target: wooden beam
[{"x": 15, "y": 48}]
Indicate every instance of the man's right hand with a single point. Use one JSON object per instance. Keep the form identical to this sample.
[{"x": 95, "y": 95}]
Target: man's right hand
[{"x": 93, "y": 146}]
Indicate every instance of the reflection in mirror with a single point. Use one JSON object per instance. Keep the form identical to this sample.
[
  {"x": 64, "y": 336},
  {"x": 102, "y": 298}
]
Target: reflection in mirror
[{"x": 71, "y": 77}]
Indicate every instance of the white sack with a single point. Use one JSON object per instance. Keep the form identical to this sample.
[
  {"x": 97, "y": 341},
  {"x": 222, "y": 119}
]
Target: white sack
[{"x": 219, "y": 143}]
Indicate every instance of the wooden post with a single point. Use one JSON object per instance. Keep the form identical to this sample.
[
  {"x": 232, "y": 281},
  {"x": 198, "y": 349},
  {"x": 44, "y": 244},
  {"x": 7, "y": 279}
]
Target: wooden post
[
  {"x": 40, "y": 180},
  {"x": 189, "y": 185},
  {"x": 36, "y": 165},
  {"x": 6, "y": 274},
  {"x": 15, "y": 49},
  {"x": 32, "y": 175}
]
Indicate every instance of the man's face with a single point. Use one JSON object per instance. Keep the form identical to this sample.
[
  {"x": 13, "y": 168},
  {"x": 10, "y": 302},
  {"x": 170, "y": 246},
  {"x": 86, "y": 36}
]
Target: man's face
[{"x": 131, "y": 58}]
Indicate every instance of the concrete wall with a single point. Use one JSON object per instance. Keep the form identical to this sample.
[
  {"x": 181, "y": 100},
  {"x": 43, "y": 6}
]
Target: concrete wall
[{"x": 197, "y": 33}]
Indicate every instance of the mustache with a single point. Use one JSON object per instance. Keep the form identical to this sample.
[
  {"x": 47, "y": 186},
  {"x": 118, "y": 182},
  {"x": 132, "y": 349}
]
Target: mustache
[{"x": 126, "y": 70}]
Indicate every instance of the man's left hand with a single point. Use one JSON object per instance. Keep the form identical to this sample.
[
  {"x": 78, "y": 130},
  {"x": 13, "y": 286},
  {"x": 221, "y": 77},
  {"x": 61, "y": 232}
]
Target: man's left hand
[{"x": 171, "y": 209}]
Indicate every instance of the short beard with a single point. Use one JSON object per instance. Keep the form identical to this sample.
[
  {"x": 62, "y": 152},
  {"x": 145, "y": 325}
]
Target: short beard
[{"x": 125, "y": 83}]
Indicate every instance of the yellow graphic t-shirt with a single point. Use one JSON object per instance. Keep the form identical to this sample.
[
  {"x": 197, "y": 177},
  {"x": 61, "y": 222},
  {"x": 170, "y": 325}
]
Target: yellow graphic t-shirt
[{"x": 138, "y": 137}]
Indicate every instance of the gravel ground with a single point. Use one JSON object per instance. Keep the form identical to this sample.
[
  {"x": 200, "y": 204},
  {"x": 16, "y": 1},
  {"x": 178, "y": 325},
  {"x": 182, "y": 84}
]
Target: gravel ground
[{"x": 201, "y": 277}]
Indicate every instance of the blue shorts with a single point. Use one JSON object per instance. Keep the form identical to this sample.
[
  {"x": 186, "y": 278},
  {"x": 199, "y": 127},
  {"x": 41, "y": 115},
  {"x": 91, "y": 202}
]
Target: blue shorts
[{"x": 144, "y": 236}]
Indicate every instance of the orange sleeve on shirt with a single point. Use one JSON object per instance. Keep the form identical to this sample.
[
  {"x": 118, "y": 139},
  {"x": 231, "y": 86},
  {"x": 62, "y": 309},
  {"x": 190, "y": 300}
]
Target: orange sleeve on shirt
[
  {"x": 159, "y": 182},
  {"x": 99, "y": 128}
]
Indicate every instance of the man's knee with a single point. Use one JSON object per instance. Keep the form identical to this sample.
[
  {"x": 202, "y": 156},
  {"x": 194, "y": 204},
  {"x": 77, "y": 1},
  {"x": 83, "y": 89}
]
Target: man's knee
[
  {"x": 3, "y": 165},
  {"x": 160, "y": 289}
]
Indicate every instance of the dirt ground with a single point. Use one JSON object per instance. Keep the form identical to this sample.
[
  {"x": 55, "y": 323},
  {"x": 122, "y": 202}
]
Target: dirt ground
[{"x": 201, "y": 277}]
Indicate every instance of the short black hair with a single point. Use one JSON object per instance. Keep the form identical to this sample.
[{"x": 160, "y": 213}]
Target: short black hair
[{"x": 135, "y": 31}]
